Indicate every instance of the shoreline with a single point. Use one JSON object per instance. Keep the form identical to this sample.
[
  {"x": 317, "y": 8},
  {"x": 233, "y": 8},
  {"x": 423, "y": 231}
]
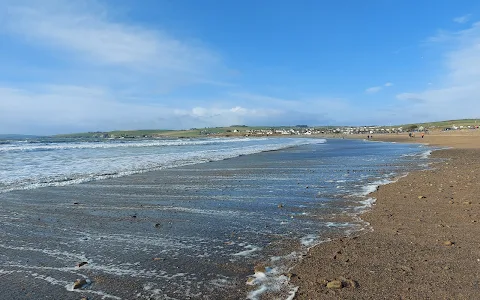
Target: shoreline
[{"x": 423, "y": 241}]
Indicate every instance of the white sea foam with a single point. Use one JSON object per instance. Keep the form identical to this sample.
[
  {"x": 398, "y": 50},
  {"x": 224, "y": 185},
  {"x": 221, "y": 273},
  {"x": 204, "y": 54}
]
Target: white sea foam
[
  {"x": 274, "y": 279},
  {"x": 367, "y": 203},
  {"x": 53, "y": 253},
  {"x": 118, "y": 144},
  {"x": 309, "y": 240},
  {"x": 372, "y": 187},
  {"x": 426, "y": 154},
  {"x": 250, "y": 249},
  {"x": 76, "y": 163},
  {"x": 69, "y": 285}
]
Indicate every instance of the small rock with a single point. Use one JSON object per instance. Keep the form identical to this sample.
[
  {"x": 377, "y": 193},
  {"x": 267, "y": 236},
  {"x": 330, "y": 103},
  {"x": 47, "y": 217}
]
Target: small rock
[
  {"x": 406, "y": 268},
  {"x": 467, "y": 202},
  {"x": 134, "y": 216},
  {"x": 422, "y": 197},
  {"x": 334, "y": 284},
  {"x": 75, "y": 203},
  {"x": 158, "y": 225},
  {"x": 84, "y": 298},
  {"x": 260, "y": 269},
  {"x": 251, "y": 281},
  {"x": 291, "y": 275},
  {"x": 157, "y": 258},
  {"x": 448, "y": 243},
  {"x": 280, "y": 205},
  {"x": 351, "y": 283},
  {"x": 80, "y": 283},
  {"x": 80, "y": 264}
]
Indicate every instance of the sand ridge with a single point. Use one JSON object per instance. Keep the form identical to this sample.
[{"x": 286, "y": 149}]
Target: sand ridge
[{"x": 424, "y": 243}]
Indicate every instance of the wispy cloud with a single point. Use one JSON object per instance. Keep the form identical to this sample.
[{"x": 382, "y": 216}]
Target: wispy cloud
[
  {"x": 462, "y": 19},
  {"x": 90, "y": 34},
  {"x": 376, "y": 89},
  {"x": 84, "y": 37},
  {"x": 457, "y": 94},
  {"x": 93, "y": 108},
  {"x": 373, "y": 90}
]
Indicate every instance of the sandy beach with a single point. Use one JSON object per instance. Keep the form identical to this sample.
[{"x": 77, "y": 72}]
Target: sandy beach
[{"x": 423, "y": 242}]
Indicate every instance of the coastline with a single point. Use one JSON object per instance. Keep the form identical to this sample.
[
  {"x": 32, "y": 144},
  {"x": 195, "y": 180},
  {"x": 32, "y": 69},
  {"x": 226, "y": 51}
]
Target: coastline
[{"x": 424, "y": 241}]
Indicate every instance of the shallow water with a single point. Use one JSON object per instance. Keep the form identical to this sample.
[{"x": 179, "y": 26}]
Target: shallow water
[{"x": 195, "y": 231}]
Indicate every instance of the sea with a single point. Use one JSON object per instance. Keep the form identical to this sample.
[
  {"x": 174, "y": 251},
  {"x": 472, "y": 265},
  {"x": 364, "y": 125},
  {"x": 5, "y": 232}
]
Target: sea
[{"x": 204, "y": 218}]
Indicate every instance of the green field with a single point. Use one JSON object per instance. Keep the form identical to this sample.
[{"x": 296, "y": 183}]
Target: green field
[
  {"x": 445, "y": 124},
  {"x": 194, "y": 132}
]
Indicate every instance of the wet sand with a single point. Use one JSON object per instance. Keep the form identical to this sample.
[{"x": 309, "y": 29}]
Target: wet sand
[{"x": 424, "y": 240}]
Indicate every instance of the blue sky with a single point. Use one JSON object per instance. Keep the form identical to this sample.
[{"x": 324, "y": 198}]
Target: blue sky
[{"x": 88, "y": 65}]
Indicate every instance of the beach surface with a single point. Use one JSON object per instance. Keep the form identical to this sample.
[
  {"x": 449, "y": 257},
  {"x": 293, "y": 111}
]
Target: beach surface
[{"x": 423, "y": 242}]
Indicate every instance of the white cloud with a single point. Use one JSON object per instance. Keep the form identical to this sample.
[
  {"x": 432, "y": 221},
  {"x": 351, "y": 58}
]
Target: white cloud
[
  {"x": 55, "y": 109},
  {"x": 457, "y": 94},
  {"x": 89, "y": 33},
  {"x": 373, "y": 90},
  {"x": 462, "y": 19},
  {"x": 376, "y": 89},
  {"x": 84, "y": 38}
]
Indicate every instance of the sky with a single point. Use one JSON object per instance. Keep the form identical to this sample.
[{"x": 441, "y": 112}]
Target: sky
[{"x": 100, "y": 65}]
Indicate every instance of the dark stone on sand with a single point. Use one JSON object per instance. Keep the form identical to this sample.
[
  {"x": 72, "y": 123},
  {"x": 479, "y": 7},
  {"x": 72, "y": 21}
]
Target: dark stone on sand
[
  {"x": 80, "y": 264},
  {"x": 75, "y": 203},
  {"x": 158, "y": 225}
]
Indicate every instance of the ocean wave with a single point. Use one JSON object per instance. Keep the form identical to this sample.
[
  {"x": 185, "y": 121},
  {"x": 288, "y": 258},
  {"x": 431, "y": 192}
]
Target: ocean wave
[
  {"x": 46, "y": 146},
  {"x": 97, "y": 168}
]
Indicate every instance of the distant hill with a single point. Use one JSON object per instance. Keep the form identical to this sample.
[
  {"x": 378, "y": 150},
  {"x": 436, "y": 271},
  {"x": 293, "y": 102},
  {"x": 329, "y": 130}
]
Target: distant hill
[{"x": 242, "y": 130}]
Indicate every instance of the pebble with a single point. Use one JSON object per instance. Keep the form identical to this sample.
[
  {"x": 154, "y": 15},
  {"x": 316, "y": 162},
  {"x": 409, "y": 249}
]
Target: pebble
[
  {"x": 80, "y": 264},
  {"x": 80, "y": 283},
  {"x": 260, "y": 269},
  {"x": 352, "y": 283},
  {"x": 334, "y": 284},
  {"x": 448, "y": 243}
]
